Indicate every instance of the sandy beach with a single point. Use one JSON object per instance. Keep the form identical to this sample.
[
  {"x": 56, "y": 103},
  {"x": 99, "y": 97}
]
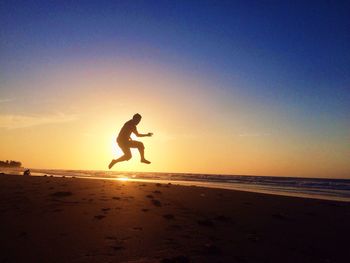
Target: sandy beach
[{"x": 50, "y": 219}]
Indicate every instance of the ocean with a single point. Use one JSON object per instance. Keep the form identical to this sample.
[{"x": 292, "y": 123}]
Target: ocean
[{"x": 318, "y": 188}]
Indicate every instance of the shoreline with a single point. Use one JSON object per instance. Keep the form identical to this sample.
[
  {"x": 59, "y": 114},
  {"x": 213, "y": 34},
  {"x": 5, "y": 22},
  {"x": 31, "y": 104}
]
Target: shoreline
[{"x": 215, "y": 185}]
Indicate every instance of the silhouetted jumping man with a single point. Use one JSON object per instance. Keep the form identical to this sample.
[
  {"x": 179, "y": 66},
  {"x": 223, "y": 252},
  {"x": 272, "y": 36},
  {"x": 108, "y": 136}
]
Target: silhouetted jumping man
[{"x": 125, "y": 142}]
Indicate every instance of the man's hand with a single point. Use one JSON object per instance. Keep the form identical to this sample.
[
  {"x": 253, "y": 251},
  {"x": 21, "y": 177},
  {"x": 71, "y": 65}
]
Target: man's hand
[{"x": 149, "y": 134}]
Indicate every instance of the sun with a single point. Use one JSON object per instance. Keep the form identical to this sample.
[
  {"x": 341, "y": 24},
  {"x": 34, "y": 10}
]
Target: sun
[{"x": 123, "y": 179}]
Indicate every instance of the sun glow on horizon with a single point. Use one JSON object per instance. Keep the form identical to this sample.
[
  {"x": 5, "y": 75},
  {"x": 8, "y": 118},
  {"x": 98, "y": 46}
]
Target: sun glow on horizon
[{"x": 123, "y": 179}]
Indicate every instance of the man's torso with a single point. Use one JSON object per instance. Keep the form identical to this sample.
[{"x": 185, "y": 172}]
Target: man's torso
[{"x": 125, "y": 132}]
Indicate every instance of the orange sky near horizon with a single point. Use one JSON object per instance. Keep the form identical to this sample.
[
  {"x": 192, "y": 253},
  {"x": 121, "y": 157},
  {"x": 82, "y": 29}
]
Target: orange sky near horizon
[{"x": 68, "y": 116}]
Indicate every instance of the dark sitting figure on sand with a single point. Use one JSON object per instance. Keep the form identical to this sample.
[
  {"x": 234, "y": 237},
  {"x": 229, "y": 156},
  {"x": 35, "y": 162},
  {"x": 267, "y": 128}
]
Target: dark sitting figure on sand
[
  {"x": 125, "y": 142},
  {"x": 26, "y": 172}
]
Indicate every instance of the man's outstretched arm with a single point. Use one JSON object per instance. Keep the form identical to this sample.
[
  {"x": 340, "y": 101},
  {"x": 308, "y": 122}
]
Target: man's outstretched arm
[
  {"x": 142, "y": 134},
  {"x": 145, "y": 134}
]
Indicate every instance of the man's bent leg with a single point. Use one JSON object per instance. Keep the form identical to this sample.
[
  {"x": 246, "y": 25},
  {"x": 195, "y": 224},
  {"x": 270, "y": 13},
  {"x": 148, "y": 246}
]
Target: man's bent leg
[
  {"x": 126, "y": 157},
  {"x": 141, "y": 148}
]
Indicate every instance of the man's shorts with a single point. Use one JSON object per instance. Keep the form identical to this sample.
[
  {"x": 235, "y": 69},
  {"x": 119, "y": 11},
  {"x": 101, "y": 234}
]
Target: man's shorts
[{"x": 127, "y": 144}]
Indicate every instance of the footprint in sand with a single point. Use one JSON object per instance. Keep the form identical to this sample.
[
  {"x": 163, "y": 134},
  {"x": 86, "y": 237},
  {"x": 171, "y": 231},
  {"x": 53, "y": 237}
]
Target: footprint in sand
[
  {"x": 117, "y": 244},
  {"x": 118, "y": 247},
  {"x": 280, "y": 216},
  {"x": 205, "y": 222},
  {"x": 178, "y": 259},
  {"x": 111, "y": 238},
  {"x": 253, "y": 237},
  {"x": 169, "y": 216},
  {"x": 62, "y": 194},
  {"x": 176, "y": 226},
  {"x": 129, "y": 198},
  {"x": 156, "y": 202},
  {"x": 105, "y": 210},
  {"x": 211, "y": 249},
  {"x": 223, "y": 218},
  {"x": 23, "y": 234}
]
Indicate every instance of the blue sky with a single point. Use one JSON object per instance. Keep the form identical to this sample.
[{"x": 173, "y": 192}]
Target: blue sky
[{"x": 271, "y": 46}]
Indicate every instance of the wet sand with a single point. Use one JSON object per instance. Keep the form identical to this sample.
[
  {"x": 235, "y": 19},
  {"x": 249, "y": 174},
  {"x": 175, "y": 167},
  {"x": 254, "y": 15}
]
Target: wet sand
[{"x": 50, "y": 219}]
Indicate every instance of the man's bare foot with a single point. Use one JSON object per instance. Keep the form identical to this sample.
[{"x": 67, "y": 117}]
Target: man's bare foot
[
  {"x": 113, "y": 162},
  {"x": 145, "y": 161}
]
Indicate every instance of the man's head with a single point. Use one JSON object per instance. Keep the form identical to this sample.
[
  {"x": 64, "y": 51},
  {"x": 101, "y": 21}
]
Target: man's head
[{"x": 136, "y": 118}]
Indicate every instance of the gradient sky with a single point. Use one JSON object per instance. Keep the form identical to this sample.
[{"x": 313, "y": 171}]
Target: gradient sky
[{"x": 234, "y": 87}]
